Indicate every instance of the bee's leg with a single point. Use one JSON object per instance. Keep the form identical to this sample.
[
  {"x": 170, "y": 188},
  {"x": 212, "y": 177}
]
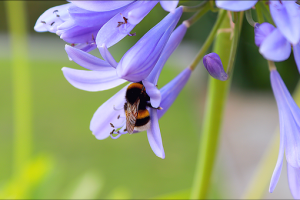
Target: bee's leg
[{"x": 149, "y": 105}]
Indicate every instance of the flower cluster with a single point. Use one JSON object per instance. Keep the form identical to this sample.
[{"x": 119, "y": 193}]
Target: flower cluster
[
  {"x": 88, "y": 25},
  {"x": 96, "y": 24}
]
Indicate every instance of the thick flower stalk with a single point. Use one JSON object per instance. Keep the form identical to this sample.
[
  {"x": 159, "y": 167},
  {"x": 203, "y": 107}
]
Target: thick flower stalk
[{"x": 289, "y": 119}]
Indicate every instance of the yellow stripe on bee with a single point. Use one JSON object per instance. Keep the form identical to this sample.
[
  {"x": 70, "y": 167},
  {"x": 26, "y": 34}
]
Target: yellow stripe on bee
[
  {"x": 143, "y": 114},
  {"x": 135, "y": 85}
]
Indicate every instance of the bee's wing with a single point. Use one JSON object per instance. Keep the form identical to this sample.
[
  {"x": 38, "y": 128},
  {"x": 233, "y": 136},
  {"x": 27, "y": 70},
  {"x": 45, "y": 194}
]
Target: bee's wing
[{"x": 131, "y": 115}]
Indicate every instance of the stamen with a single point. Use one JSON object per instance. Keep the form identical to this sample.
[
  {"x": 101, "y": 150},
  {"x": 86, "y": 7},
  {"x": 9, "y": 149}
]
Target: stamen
[
  {"x": 112, "y": 125},
  {"x": 52, "y": 23},
  {"x": 131, "y": 34},
  {"x": 43, "y": 22},
  {"x": 118, "y": 117}
]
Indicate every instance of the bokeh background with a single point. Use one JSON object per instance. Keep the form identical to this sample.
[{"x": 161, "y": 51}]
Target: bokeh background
[{"x": 67, "y": 161}]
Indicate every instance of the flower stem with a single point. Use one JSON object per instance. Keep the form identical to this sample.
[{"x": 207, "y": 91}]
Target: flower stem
[
  {"x": 263, "y": 173},
  {"x": 260, "y": 16},
  {"x": 21, "y": 84},
  {"x": 194, "y": 8},
  {"x": 215, "y": 104},
  {"x": 205, "y": 8},
  {"x": 234, "y": 44},
  {"x": 209, "y": 40},
  {"x": 271, "y": 65},
  {"x": 249, "y": 18}
]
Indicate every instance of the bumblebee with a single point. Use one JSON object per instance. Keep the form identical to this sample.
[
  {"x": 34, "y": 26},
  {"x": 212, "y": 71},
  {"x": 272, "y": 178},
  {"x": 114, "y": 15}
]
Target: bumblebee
[{"x": 137, "y": 115}]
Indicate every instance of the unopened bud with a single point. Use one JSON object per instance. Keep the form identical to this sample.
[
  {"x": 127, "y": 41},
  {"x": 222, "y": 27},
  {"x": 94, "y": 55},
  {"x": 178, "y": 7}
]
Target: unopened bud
[{"x": 213, "y": 65}]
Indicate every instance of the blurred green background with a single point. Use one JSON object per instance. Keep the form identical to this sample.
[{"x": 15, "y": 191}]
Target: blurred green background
[{"x": 67, "y": 160}]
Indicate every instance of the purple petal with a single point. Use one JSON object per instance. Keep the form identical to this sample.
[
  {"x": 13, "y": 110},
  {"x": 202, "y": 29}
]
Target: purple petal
[
  {"x": 86, "y": 47},
  {"x": 153, "y": 93},
  {"x": 112, "y": 32},
  {"x": 137, "y": 14},
  {"x": 286, "y": 16},
  {"x": 294, "y": 180},
  {"x": 275, "y": 47},
  {"x": 170, "y": 91},
  {"x": 87, "y": 60},
  {"x": 288, "y": 125},
  {"x": 214, "y": 66},
  {"x": 107, "y": 56},
  {"x": 139, "y": 60},
  {"x": 52, "y": 18},
  {"x": 169, "y": 6},
  {"x": 79, "y": 34},
  {"x": 92, "y": 80},
  {"x": 275, "y": 82},
  {"x": 101, "y": 5},
  {"x": 107, "y": 113},
  {"x": 170, "y": 47},
  {"x": 154, "y": 136},
  {"x": 87, "y": 18},
  {"x": 296, "y": 50},
  {"x": 261, "y": 31},
  {"x": 235, "y": 5}
]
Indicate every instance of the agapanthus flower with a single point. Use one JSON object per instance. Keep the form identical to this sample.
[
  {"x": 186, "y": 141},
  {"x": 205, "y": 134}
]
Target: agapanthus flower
[
  {"x": 213, "y": 64},
  {"x": 286, "y": 16},
  {"x": 272, "y": 44},
  {"x": 289, "y": 120},
  {"x": 82, "y": 23},
  {"x": 135, "y": 65},
  {"x": 101, "y": 124}
]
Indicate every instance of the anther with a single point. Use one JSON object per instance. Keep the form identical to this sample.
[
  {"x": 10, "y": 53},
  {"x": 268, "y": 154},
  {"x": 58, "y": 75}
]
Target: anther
[
  {"x": 118, "y": 117},
  {"x": 52, "y": 23},
  {"x": 112, "y": 132},
  {"x": 43, "y": 22},
  {"x": 131, "y": 34},
  {"x": 125, "y": 21},
  {"x": 112, "y": 125}
]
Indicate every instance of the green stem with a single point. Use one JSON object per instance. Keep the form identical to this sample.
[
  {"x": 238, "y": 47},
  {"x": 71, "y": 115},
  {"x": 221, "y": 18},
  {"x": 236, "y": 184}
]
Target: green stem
[
  {"x": 262, "y": 176},
  {"x": 194, "y": 8},
  {"x": 249, "y": 18},
  {"x": 21, "y": 84},
  {"x": 198, "y": 14},
  {"x": 209, "y": 40},
  {"x": 215, "y": 104},
  {"x": 260, "y": 16},
  {"x": 234, "y": 44},
  {"x": 266, "y": 11}
]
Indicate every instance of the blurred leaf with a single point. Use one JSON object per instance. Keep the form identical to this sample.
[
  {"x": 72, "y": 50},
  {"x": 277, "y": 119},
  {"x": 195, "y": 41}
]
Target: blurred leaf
[
  {"x": 87, "y": 187},
  {"x": 27, "y": 180},
  {"x": 119, "y": 193},
  {"x": 183, "y": 194}
]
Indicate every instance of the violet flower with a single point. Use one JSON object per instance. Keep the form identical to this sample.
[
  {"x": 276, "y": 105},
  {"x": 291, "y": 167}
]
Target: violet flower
[
  {"x": 272, "y": 44},
  {"x": 135, "y": 65},
  {"x": 113, "y": 108},
  {"x": 213, "y": 64},
  {"x": 79, "y": 22},
  {"x": 286, "y": 16},
  {"x": 114, "y": 113},
  {"x": 289, "y": 120}
]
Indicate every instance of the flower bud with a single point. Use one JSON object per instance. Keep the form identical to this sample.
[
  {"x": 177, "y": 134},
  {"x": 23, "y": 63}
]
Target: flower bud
[{"x": 213, "y": 65}]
